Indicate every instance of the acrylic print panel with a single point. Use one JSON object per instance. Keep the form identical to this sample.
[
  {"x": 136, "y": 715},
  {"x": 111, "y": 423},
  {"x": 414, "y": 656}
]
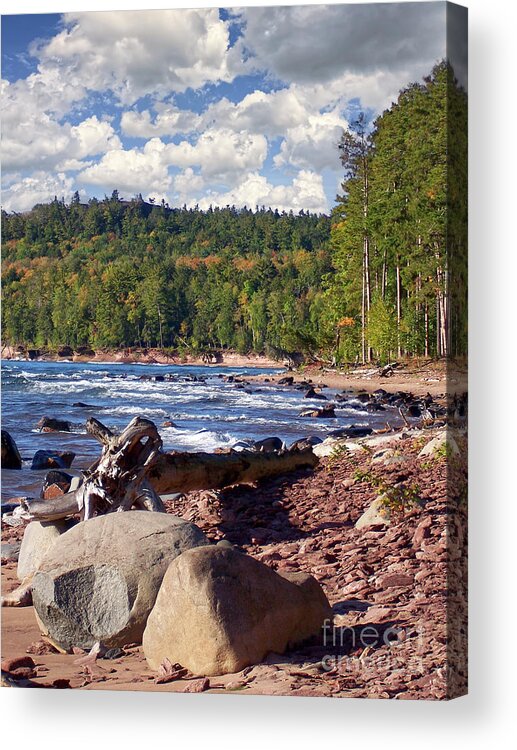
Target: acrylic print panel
[{"x": 234, "y": 350}]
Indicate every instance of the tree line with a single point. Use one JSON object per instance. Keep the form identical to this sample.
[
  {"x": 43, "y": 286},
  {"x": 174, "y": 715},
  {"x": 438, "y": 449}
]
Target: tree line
[
  {"x": 399, "y": 229},
  {"x": 383, "y": 276}
]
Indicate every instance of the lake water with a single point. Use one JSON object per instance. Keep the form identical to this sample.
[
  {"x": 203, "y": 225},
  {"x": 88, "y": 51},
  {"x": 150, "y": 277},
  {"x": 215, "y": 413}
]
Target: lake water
[{"x": 207, "y": 415}]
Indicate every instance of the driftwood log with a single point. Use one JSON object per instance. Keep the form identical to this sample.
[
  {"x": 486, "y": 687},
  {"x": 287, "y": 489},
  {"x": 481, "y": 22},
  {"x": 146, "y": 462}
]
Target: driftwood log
[{"x": 132, "y": 472}]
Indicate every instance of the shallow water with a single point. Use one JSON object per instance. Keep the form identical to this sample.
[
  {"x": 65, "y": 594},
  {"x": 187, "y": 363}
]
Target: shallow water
[{"x": 207, "y": 414}]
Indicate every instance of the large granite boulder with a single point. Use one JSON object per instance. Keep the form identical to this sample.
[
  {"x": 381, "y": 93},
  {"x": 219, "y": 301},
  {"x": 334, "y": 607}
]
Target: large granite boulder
[
  {"x": 100, "y": 580},
  {"x": 38, "y": 539},
  {"x": 219, "y": 610},
  {"x": 11, "y": 458}
]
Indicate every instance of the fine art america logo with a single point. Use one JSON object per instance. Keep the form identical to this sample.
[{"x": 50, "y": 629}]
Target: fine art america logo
[{"x": 353, "y": 649}]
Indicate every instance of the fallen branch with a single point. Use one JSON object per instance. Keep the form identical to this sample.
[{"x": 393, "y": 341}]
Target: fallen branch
[{"x": 132, "y": 472}]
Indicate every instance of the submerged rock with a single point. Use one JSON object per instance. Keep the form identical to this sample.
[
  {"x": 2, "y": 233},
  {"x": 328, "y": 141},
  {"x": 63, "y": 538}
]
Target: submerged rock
[
  {"x": 51, "y": 424},
  {"x": 219, "y": 610}
]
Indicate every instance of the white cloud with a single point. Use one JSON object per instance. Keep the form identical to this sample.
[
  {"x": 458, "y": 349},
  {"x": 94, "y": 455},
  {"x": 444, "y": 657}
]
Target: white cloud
[
  {"x": 33, "y": 138},
  {"x": 220, "y": 153},
  {"x": 305, "y": 192},
  {"x": 133, "y": 53},
  {"x": 260, "y": 112},
  {"x": 187, "y": 184},
  {"x": 169, "y": 121},
  {"x": 21, "y": 194},
  {"x": 132, "y": 171},
  {"x": 313, "y": 144}
]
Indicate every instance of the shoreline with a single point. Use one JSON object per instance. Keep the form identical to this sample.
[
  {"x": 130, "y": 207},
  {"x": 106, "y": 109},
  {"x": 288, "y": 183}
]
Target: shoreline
[
  {"x": 372, "y": 576},
  {"x": 420, "y": 377}
]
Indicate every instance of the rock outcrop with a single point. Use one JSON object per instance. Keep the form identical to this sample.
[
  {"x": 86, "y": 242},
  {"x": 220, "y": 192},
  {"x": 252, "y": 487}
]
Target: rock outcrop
[
  {"x": 100, "y": 580},
  {"x": 219, "y": 610}
]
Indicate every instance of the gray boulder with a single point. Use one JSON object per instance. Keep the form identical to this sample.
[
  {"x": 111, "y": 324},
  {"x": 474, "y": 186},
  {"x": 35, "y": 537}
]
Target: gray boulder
[
  {"x": 219, "y": 610},
  {"x": 100, "y": 580},
  {"x": 38, "y": 540}
]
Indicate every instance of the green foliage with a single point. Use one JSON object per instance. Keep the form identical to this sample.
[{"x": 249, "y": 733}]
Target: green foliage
[
  {"x": 121, "y": 274},
  {"x": 382, "y": 330},
  {"x": 397, "y": 499},
  {"x": 399, "y": 231}
]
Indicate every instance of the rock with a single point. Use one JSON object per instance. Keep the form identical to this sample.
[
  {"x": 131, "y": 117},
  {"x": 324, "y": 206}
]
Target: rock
[
  {"x": 100, "y": 580},
  {"x": 20, "y": 597},
  {"x": 396, "y": 579},
  {"x": 375, "y": 515},
  {"x": 444, "y": 441},
  {"x": 331, "y": 445},
  {"x": 219, "y": 610},
  {"x": 268, "y": 445},
  {"x": 50, "y": 424},
  {"x": 287, "y": 380},
  {"x": 85, "y": 351},
  {"x": 65, "y": 351},
  {"x": 303, "y": 443},
  {"x": 38, "y": 540},
  {"x": 11, "y": 458},
  {"x": 18, "y": 662},
  {"x": 311, "y": 393},
  {"x": 52, "y": 460},
  {"x": 327, "y": 412},
  {"x": 10, "y": 551},
  {"x": 55, "y": 479},
  {"x": 354, "y": 431},
  {"x": 422, "y": 531}
]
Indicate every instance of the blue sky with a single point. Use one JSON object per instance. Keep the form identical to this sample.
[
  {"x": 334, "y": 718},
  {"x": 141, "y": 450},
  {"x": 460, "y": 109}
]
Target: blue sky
[{"x": 201, "y": 106}]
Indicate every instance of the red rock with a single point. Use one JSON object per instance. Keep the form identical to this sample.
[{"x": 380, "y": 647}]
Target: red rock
[
  {"x": 421, "y": 532},
  {"x": 52, "y": 491},
  {"x": 41, "y": 647},
  {"x": 197, "y": 686},
  {"x": 24, "y": 673},
  {"x": 18, "y": 662},
  {"x": 396, "y": 579},
  {"x": 61, "y": 683}
]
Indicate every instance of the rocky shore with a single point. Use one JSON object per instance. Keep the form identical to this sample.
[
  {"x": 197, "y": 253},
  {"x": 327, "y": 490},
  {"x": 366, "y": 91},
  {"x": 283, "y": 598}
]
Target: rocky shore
[{"x": 380, "y": 524}]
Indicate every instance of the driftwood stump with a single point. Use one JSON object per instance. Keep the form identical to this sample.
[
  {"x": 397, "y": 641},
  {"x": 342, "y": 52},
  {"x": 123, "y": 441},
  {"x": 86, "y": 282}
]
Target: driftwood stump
[{"x": 132, "y": 470}]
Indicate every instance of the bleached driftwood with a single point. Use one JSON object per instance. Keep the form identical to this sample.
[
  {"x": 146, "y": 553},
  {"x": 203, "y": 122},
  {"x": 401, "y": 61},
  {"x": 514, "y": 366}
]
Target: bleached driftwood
[{"x": 132, "y": 472}]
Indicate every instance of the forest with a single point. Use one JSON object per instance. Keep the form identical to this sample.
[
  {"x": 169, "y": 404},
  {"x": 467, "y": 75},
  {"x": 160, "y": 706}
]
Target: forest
[{"x": 382, "y": 277}]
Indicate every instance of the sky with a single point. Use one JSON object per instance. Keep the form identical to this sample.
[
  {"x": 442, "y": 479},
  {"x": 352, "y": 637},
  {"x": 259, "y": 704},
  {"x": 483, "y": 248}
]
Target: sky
[{"x": 201, "y": 107}]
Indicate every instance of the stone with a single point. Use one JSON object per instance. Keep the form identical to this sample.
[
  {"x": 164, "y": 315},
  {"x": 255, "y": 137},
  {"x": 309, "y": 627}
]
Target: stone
[
  {"x": 375, "y": 515},
  {"x": 50, "y": 424},
  {"x": 219, "y": 610},
  {"x": 56, "y": 478},
  {"x": 18, "y": 662},
  {"x": 10, "y": 551},
  {"x": 65, "y": 351},
  {"x": 52, "y": 460},
  {"x": 444, "y": 441},
  {"x": 100, "y": 580},
  {"x": 396, "y": 579},
  {"x": 38, "y": 539},
  {"x": 11, "y": 458}
]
